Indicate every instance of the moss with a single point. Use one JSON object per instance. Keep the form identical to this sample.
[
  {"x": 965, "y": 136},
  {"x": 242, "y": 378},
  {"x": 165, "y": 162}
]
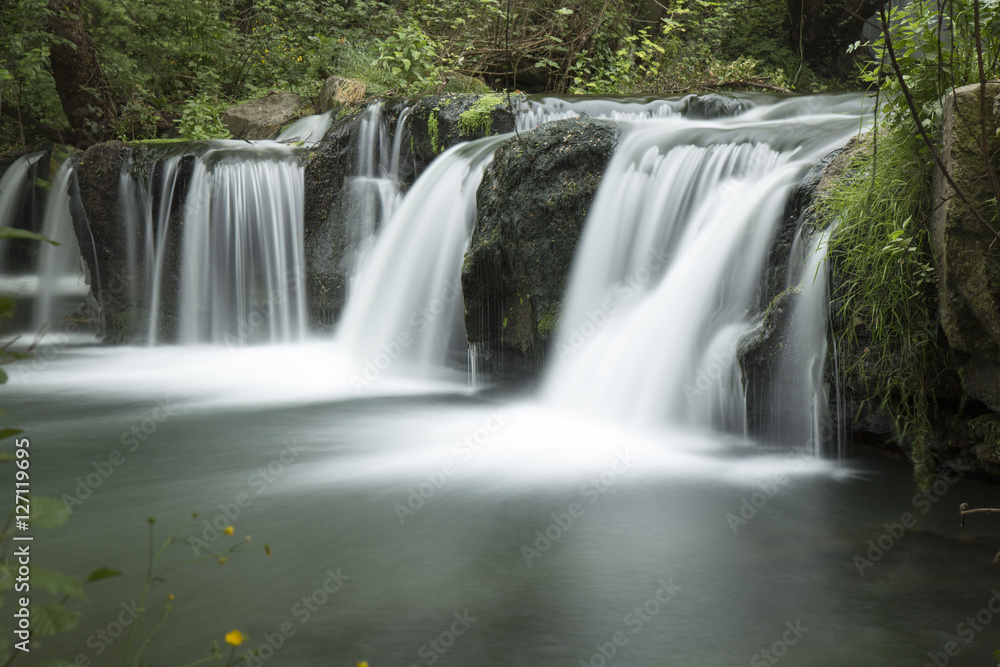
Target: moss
[
  {"x": 157, "y": 142},
  {"x": 478, "y": 118},
  {"x": 547, "y": 325},
  {"x": 432, "y": 130},
  {"x": 459, "y": 83}
]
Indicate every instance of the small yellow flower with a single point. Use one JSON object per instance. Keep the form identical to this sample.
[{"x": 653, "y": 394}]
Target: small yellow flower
[
  {"x": 267, "y": 549},
  {"x": 229, "y": 530},
  {"x": 248, "y": 538},
  {"x": 363, "y": 663},
  {"x": 234, "y": 637},
  {"x": 222, "y": 560},
  {"x": 170, "y": 597}
]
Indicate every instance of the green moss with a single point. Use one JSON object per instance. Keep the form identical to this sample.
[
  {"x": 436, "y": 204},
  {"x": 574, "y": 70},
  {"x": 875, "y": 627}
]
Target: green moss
[
  {"x": 459, "y": 83},
  {"x": 157, "y": 142},
  {"x": 547, "y": 325},
  {"x": 478, "y": 118},
  {"x": 432, "y": 130}
]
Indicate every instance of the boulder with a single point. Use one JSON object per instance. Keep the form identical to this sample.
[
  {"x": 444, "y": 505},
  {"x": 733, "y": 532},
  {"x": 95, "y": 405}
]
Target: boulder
[
  {"x": 968, "y": 263},
  {"x": 532, "y": 205},
  {"x": 263, "y": 118}
]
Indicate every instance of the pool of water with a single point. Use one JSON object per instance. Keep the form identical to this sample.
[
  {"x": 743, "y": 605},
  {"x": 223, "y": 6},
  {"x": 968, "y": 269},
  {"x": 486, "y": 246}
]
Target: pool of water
[{"x": 422, "y": 523}]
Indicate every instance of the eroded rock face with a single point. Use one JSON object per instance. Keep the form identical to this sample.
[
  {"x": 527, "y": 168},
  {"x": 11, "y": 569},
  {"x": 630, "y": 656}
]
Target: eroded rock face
[
  {"x": 532, "y": 204},
  {"x": 263, "y": 118}
]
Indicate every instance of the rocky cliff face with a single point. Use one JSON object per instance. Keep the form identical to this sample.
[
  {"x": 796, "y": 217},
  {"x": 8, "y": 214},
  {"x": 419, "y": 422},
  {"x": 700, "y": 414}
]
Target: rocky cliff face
[{"x": 533, "y": 202}]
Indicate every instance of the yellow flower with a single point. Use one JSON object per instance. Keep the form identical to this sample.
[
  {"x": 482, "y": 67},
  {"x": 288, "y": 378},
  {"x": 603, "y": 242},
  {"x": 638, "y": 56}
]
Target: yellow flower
[
  {"x": 229, "y": 530},
  {"x": 170, "y": 597},
  {"x": 234, "y": 637},
  {"x": 222, "y": 560},
  {"x": 363, "y": 663}
]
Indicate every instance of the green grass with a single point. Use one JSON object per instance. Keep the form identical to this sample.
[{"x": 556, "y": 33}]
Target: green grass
[{"x": 886, "y": 293}]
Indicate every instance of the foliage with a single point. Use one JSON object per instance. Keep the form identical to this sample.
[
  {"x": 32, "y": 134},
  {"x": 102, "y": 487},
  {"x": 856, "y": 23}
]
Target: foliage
[
  {"x": 201, "y": 119},
  {"x": 936, "y": 49},
  {"x": 885, "y": 294}
]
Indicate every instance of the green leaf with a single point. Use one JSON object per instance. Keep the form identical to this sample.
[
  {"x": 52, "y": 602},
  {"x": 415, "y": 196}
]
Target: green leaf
[
  {"x": 48, "y": 512},
  {"x": 3, "y": 376},
  {"x": 11, "y": 233},
  {"x": 9, "y": 432},
  {"x": 6, "y": 306},
  {"x": 53, "y": 619},
  {"x": 56, "y": 583},
  {"x": 6, "y": 457},
  {"x": 102, "y": 573}
]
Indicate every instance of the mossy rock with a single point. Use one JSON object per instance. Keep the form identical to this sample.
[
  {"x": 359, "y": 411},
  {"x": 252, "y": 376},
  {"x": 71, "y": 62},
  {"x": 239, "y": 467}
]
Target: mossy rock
[{"x": 532, "y": 205}]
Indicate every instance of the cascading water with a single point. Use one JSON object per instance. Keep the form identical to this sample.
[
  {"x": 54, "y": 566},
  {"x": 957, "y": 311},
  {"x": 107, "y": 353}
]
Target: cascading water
[
  {"x": 406, "y": 302},
  {"x": 16, "y": 209},
  {"x": 60, "y": 280},
  {"x": 242, "y": 258},
  {"x": 667, "y": 276}
]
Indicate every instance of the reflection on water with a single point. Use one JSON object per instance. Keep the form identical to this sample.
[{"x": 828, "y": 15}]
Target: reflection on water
[{"x": 422, "y": 524}]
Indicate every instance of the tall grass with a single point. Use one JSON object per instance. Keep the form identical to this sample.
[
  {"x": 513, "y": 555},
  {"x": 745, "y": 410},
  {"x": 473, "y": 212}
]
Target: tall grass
[{"x": 884, "y": 296}]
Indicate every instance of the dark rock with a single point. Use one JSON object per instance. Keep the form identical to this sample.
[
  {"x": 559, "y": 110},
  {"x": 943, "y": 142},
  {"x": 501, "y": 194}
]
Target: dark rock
[
  {"x": 328, "y": 238},
  {"x": 533, "y": 202},
  {"x": 438, "y": 122},
  {"x": 119, "y": 285},
  {"x": 714, "y": 105}
]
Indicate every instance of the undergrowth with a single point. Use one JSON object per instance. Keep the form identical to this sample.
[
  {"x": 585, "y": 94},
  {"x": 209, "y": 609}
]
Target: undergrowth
[{"x": 885, "y": 279}]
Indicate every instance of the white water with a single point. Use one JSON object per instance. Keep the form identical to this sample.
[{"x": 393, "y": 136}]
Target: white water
[
  {"x": 242, "y": 266},
  {"x": 667, "y": 275},
  {"x": 60, "y": 279},
  {"x": 13, "y": 184},
  {"x": 406, "y": 303},
  {"x": 309, "y": 130}
]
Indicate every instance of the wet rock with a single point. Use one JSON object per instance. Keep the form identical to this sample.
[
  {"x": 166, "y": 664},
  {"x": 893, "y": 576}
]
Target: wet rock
[
  {"x": 329, "y": 243},
  {"x": 438, "y": 122},
  {"x": 532, "y": 204}
]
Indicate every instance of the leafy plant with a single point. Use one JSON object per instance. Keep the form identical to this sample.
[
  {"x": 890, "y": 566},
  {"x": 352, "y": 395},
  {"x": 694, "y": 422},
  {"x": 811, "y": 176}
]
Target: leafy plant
[{"x": 201, "y": 119}]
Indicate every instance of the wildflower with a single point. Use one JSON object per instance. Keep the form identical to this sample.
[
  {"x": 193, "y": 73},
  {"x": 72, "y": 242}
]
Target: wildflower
[
  {"x": 229, "y": 530},
  {"x": 267, "y": 549},
  {"x": 222, "y": 560},
  {"x": 170, "y": 597},
  {"x": 234, "y": 637},
  {"x": 363, "y": 663}
]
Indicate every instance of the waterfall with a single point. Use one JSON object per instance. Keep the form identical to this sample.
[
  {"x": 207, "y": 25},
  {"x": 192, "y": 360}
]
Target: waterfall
[
  {"x": 667, "y": 276},
  {"x": 242, "y": 262},
  {"x": 60, "y": 280},
  {"x": 17, "y": 187},
  {"x": 309, "y": 130},
  {"x": 406, "y": 303}
]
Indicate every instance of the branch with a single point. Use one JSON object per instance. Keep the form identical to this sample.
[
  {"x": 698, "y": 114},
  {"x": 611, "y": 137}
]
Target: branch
[{"x": 915, "y": 114}]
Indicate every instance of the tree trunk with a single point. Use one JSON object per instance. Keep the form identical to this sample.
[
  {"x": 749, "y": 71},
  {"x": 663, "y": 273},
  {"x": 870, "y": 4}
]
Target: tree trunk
[
  {"x": 82, "y": 86},
  {"x": 821, "y": 31}
]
